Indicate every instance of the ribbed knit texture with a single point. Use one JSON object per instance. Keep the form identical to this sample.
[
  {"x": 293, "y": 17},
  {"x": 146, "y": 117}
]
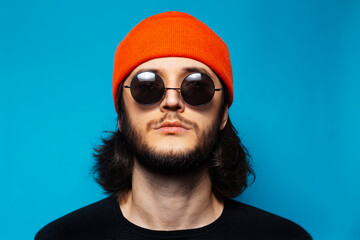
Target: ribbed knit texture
[{"x": 172, "y": 34}]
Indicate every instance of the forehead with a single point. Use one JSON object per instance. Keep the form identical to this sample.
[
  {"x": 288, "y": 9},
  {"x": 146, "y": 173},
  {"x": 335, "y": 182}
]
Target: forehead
[
  {"x": 174, "y": 65},
  {"x": 173, "y": 62}
]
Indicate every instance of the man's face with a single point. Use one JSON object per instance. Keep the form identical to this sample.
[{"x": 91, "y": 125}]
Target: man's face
[{"x": 172, "y": 128}]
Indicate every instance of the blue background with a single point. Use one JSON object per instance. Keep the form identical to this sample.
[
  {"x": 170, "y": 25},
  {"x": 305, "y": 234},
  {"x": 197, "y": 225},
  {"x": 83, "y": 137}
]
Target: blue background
[{"x": 296, "y": 70}]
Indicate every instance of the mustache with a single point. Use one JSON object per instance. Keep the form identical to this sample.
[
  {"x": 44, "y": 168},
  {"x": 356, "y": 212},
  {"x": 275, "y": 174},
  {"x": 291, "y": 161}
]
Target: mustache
[{"x": 172, "y": 116}]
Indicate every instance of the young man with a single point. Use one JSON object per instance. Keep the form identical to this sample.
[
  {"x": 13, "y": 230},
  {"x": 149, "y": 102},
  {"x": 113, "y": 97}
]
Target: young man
[{"x": 175, "y": 162}]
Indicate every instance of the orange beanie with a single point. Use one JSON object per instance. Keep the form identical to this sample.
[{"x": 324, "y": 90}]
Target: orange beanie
[{"x": 172, "y": 34}]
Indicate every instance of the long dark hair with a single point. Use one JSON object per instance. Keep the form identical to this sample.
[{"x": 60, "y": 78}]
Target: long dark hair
[{"x": 229, "y": 166}]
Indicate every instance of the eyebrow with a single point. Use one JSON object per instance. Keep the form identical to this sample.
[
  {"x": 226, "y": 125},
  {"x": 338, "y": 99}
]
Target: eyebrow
[
  {"x": 154, "y": 70},
  {"x": 196, "y": 69}
]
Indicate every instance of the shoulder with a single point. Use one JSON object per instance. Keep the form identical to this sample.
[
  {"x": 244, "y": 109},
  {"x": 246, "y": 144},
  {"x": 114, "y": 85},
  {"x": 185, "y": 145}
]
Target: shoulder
[
  {"x": 261, "y": 224},
  {"x": 83, "y": 223}
]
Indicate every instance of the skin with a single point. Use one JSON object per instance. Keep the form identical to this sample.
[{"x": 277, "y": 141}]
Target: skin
[{"x": 172, "y": 202}]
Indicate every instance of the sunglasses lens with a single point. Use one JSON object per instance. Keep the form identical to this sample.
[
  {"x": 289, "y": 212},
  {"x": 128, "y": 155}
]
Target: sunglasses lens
[
  {"x": 147, "y": 88},
  {"x": 197, "y": 89}
]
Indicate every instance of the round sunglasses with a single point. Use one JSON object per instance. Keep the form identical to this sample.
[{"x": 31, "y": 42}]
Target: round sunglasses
[{"x": 197, "y": 89}]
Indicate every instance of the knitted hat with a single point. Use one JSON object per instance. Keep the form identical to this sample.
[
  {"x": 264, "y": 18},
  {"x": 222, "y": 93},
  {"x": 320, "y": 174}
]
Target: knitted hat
[{"x": 172, "y": 34}]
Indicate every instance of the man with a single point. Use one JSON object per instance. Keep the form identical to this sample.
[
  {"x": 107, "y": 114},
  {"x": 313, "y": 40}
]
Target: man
[{"x": 175, "y": 161}]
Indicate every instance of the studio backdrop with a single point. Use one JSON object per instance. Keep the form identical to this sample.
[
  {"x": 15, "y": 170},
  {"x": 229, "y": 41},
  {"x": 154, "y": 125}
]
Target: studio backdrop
[{"x": 296, "y": 67}]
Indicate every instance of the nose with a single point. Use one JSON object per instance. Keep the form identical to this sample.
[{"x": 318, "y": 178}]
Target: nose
[{"x": 172, "y": 100}]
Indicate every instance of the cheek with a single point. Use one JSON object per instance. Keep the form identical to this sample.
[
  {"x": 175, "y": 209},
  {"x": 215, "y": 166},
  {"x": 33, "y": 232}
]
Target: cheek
[
  {"x": 137, "y": 119},
  {"x": 208, "y": 122},
  {"x": 136, "y": 113},
  {"x": 208, "y": 115},
  {"x": 132, "y": 111}
]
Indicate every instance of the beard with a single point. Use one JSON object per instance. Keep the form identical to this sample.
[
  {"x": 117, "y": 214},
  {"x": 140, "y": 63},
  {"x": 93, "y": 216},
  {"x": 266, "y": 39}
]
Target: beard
[{"x": 171, "y": 162}]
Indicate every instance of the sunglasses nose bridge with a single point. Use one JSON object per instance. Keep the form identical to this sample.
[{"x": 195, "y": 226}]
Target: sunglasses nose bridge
[
  {"x": 178, "y": 90},
  {"x": 172, "y": 100}
]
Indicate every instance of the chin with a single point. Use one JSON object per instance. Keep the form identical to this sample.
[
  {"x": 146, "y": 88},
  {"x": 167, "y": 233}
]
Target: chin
[
  {"x": 169, "y": 146},
  {"x": 173, "y": 150}
]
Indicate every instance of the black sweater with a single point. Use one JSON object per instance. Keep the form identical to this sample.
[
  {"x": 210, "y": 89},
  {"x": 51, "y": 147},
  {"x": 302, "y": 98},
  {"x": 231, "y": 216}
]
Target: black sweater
[{"x": 104, "y": 220}]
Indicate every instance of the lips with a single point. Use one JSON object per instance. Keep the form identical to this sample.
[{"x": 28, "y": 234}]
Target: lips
[{"x": 172, "y": 127}]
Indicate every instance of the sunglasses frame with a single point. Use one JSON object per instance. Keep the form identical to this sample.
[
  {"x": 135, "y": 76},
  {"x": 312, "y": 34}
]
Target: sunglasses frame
[{"x": 177, "y": 89}]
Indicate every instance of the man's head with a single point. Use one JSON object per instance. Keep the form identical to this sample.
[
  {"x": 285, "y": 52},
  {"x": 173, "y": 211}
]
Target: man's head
[{"x": 172, "y": 85}]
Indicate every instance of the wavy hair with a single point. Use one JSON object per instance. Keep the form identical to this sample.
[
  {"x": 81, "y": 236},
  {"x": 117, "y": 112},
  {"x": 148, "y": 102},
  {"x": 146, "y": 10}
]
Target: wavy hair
[{"x": 229, "y": 166}]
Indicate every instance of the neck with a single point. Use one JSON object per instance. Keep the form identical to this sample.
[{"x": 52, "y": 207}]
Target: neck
[{"x": 160, "y": 202}]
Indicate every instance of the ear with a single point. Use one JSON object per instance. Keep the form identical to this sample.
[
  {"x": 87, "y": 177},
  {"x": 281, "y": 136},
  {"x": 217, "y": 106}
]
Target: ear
[{"x": 224, "y": 118}]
